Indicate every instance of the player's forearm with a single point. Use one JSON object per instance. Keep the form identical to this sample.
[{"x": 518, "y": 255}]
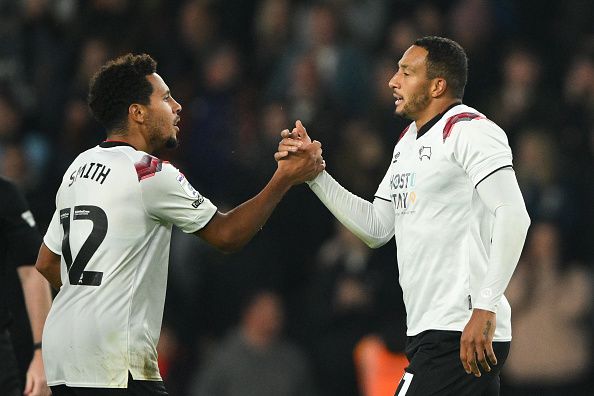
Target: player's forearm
[
  {"x": 509, "y": 234},
  {"x": 501, "y": 194},
  {"x": 369, "y": 222},
  {"x": 38, "y": 299}
]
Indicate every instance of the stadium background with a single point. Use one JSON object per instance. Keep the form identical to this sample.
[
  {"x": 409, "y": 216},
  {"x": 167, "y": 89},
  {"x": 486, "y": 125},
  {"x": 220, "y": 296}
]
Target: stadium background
[{"x": 244, "y": 70}]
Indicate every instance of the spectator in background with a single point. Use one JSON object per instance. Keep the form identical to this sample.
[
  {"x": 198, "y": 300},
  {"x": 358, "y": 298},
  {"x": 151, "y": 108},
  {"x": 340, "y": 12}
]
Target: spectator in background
[
  {"x": 15, "y": 135},
  {"x": 552, "y": 301},
  {"x": 254, "y": 360},
  {"x": 358, "y": 158},
  {"x": 214, "y": 124},
  {"x": 341, "y": 68},
  {"x": 18, "y": 242},
  {"x": 94, "y": 52},
  {"x": 474, "y": 24},
  {"x": 576, "y": 143},
  {"x": 549, "y": 194},
  {"x": 538, "y": 176},
  {"x": 577, "y": 122},
  {"x": 363, "y": 21},
  {"x": 272, "y": 31},
  {"x": 520, "y": 99}
]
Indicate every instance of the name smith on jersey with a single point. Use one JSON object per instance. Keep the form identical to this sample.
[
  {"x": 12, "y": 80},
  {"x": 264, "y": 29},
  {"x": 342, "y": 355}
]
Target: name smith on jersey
[{"x": 94, "y": 171}]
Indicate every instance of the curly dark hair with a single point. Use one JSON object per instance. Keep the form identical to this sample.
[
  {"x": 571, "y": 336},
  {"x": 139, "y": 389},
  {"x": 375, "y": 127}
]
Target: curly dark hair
[
  {"x": 118, "y": 84},
  {"x": 447, "y": 59}
]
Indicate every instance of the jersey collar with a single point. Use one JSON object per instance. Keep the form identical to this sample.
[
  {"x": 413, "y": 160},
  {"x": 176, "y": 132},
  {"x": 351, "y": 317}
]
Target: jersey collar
[
  {"x": 434, "y": 120},
  {"x": 108, "y": 143}
]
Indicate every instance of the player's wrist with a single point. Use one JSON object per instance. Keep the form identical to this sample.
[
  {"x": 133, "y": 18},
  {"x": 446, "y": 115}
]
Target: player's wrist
[
  {"x": 316, "y": 179},
  {"x": 484, "y": 310},
  {"x": 281, "y": 182}
]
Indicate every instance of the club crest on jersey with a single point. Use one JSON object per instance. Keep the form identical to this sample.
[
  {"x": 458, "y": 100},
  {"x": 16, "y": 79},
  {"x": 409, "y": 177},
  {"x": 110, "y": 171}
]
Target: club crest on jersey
[
  {"x": 424, "y": 152},
  {"x": 187, "y": 187}
]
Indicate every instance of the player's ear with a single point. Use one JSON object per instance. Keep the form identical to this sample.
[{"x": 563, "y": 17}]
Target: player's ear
[
  {"x": 137, "y": 112},
  {"x": 438, "y": 87}
]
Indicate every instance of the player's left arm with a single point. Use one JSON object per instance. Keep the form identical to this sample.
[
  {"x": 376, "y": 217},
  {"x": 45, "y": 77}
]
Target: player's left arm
[{"x": 501, "y": 195}]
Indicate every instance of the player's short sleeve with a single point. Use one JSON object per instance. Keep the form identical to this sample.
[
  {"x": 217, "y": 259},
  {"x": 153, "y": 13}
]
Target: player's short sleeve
[
  {"x": 170, "y": 198},
  {"x": 17, "y": 226},
  {"x": 480, "y": 147}
]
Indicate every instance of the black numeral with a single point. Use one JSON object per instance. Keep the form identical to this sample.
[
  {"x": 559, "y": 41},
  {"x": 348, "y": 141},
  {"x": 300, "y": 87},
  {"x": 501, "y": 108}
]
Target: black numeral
[{"x": 76, "y": 272}]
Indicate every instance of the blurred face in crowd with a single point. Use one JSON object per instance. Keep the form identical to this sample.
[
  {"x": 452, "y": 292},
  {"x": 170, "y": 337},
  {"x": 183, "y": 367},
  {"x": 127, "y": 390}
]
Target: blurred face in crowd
[
  {"x": 265, "y": 316},
  {"x": 162, "y": 116},
  {"x": 410, "y": 85}
]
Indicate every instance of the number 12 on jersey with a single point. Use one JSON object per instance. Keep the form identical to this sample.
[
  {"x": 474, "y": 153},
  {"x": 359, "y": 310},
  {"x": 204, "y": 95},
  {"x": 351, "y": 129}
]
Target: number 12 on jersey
[{"x": 76, "y": 273}]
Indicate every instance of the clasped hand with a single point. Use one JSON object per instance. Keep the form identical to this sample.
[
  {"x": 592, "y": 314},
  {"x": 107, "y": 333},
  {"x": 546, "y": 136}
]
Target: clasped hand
[{"x": 299, "y": 155}]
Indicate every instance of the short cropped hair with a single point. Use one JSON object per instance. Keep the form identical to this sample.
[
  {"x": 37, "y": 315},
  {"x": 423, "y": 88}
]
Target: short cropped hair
[
  {"x": 118, "y": 84},
  {"x": 447, "y": 59}
]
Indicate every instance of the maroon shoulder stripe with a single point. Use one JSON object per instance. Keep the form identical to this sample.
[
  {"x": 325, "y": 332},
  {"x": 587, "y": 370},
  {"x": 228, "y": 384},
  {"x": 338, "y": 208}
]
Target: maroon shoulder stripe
[
  {"x": 447, "y": 130},
  {"x": 147, "y": 167},
  {"x": 403, "y": 133}
]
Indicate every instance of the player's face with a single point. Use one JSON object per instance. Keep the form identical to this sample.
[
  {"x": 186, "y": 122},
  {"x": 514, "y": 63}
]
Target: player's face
[
  {"x": 163, "y": 115},
  {"x": 410, "y": 85}
]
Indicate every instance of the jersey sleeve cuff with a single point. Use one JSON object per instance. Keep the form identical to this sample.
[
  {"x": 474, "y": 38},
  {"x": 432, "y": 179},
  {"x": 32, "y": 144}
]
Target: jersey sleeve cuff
[
  {"x": 485, "y": 305},
  {"x": 51, "y": 246},
  {"x": 485, "y": 168},
  {"x": 319, "y": 179},
  {"x": 195, "y": 226}
]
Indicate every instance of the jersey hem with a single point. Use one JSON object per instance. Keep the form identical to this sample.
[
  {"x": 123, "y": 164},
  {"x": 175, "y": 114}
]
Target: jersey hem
[
  {"x": 86, "y": 385},
  {"x": 417, "y": 332}
]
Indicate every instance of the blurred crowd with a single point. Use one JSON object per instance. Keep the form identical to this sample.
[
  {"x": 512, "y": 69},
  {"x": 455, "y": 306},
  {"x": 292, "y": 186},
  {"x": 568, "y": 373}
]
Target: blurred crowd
[{"x": 302, "y": 309}]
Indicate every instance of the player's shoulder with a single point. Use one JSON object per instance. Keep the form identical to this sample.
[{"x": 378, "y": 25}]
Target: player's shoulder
[
  {"x": 466, "y": 122},
  {"x": 148, "y": 166}
]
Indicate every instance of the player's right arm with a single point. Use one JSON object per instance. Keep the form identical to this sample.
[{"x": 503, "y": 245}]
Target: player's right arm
[
  {"x": 231, "y": 231},
  {"x": 48, "y": 264},
  {"x": 167, "y": 196},
  {"x": 371, "y": 222}
]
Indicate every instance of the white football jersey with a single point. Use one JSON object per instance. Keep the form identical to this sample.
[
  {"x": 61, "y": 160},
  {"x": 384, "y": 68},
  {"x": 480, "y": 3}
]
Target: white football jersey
[
  {"x": 442, "y": 228},
  {"x": 112, "y": 226}
]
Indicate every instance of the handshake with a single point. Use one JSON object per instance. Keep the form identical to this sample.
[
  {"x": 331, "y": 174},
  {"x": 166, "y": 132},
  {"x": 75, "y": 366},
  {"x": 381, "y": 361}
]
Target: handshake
[{"x": 299, "y": 159}]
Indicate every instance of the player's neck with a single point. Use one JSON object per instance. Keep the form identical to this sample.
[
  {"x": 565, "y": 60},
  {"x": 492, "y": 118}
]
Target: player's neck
[
  {"x": 436, "y": 107},
  {"x": 135, "y": 140}
]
